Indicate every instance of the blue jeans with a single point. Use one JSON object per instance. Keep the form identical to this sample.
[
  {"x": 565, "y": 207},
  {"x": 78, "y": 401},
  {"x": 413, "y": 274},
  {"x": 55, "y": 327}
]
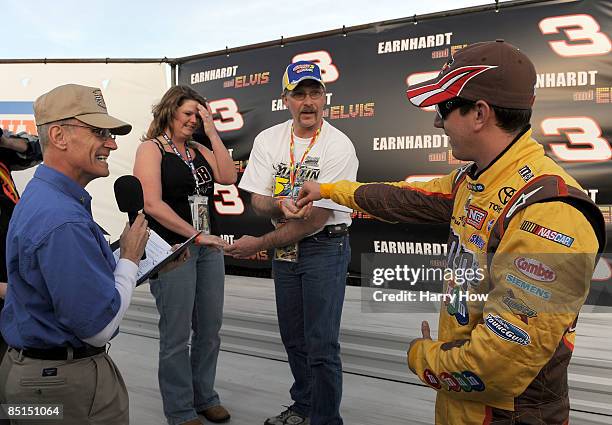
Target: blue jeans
[
  {"x": 309, "y": 299},
  {"x": 189, "y": 298}
]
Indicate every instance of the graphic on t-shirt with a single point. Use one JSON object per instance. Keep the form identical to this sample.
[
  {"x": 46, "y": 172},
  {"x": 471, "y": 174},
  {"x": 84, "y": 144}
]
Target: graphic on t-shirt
[
  {"x": 282, "y": 188},
  {"x": 308, "y": 171},
  {"x": 205, "y": 180}
]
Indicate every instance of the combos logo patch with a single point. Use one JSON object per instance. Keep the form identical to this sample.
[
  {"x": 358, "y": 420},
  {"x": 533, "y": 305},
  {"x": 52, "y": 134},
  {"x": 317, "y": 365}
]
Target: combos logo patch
[
  {"x": 475, "y": 217},
  {"x": 546, "y": 233},
  {"x": 506, "y": 330},
  {"x": 467, "y": 381},
  {"x": 535, "y": 269}
]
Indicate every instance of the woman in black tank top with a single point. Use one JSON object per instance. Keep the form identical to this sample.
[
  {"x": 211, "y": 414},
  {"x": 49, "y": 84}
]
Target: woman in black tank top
[{"x": 172, "y": 168}]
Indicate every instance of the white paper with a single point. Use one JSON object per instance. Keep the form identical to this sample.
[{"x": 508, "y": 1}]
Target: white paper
[{"x": 157, "y": 250}]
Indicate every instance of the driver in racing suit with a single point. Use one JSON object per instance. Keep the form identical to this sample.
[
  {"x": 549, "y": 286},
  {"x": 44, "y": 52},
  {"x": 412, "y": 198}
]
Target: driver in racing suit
[{"x": 514, "y": 213}]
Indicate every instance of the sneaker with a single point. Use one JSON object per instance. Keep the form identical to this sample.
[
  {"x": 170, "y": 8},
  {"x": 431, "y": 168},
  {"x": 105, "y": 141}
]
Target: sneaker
[{"x": 288, "y": 417}]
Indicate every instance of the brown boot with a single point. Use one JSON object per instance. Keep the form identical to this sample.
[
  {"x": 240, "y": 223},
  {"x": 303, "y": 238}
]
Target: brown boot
[
  {"x": 193, "y": 422},
  {"x": 216, "y": 414}
]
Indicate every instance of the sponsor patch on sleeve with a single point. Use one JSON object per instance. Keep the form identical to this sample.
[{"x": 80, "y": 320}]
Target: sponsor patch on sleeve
[
  {"x": 528, "y": 287},
  {"x": 525, "y": 173},
  {"x": 477, "y": 240},
  {"x": 519, "y": 307},
  {"x": 454, "y": 381},
  {"x": 431, "y": 379},
  {"x": 475, "y": 217},
  {"x": 449, "y": 381},
  {"x": 506, "y": 330},
  {"x": 546, "y": 233},
  {"x": 535, "y": 269}
]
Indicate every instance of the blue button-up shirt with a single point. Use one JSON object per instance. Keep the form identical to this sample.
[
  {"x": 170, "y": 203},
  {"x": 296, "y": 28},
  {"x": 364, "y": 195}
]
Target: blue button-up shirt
[{"x": 60, "y": 267}]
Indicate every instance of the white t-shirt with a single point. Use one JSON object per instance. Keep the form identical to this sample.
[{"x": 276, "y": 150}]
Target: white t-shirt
[{"x": 332, "y": 158}]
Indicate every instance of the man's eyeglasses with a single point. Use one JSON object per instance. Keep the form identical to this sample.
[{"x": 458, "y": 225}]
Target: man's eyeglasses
[
  {"x": 301, "y": 95},
  {"x": 445, "y": 108},
  {"x": 101, "y": 133}
]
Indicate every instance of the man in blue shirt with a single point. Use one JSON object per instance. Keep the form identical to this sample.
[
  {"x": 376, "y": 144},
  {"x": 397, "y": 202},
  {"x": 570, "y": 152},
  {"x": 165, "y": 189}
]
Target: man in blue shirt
[{"x": 66, "y": 294}]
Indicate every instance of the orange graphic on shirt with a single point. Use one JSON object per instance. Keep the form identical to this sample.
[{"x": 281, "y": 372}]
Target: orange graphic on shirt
[{"x": 7, "y": 184}]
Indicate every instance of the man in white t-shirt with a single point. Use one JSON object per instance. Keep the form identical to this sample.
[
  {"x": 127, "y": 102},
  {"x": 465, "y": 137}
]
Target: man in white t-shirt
[{"x": 312, "y": 249}]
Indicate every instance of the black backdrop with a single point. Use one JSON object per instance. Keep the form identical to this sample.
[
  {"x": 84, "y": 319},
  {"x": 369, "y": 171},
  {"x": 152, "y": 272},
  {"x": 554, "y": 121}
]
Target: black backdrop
[{"x": 367, "y": 71}]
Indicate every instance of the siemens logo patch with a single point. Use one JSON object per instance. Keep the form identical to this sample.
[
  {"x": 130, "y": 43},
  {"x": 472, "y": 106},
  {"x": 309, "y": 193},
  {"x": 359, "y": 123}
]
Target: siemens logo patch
[
  {"x": 528, "y": 287},
  {"x": 546, "y": 233},
  {"x": 506, "y": 330}
]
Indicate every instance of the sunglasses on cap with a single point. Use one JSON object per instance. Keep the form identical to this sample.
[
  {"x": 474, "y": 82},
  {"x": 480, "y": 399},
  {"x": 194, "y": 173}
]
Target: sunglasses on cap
[{"x": 445, "y": 108}]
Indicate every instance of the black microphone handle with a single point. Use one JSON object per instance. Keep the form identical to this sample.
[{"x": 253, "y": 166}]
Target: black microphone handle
[{"x": 132, "y": 215}]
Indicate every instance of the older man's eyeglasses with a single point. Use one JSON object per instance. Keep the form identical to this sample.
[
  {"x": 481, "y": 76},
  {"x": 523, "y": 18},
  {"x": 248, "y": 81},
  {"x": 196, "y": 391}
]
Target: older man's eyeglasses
[
  {"x": 100, "y": 133},
  {"x": 301, "y": 95},
  {"x": 445, "y": 108}
]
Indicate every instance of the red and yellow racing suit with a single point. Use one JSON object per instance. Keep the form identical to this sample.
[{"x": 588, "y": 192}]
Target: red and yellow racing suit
[{"x": 530, "y": 226}]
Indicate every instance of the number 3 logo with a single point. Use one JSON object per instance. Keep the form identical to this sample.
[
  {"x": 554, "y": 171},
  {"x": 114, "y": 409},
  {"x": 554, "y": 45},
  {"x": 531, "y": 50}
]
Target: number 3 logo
[
  {"x": 590, "y": 41},
  {"x": 231, "y": 119},
  {"x": 230, "y": 203},
  {"x": 581, "y": 131},
  {"x": 329, "y": 72}
]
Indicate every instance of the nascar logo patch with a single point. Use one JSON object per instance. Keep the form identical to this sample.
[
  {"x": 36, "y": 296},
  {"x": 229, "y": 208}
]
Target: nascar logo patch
[{"x": 546, "y": 233}]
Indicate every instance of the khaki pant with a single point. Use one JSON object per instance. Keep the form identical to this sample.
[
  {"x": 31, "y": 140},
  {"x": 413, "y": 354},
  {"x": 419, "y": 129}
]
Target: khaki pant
[{"x": 91, "y": 390}]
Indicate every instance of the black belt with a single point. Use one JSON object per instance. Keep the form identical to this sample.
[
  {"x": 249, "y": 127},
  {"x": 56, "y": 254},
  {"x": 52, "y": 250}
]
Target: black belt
[
  {"x": 61, "y": 353},
  {"x": 333, "y": 230}
]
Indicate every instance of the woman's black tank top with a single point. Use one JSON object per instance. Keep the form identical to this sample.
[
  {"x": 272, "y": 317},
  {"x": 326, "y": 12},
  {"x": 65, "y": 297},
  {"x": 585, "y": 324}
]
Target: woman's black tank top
[{"x": 178, "y": 184}]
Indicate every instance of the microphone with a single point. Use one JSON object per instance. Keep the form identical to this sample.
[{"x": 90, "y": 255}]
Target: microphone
[{"x": 128, "y": 193}]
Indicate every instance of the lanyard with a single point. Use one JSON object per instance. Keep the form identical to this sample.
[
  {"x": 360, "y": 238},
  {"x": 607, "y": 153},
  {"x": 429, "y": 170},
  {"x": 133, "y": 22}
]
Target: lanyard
[
  {"x": 188, "y": 161},
  {"x": 293, "y": 169}
]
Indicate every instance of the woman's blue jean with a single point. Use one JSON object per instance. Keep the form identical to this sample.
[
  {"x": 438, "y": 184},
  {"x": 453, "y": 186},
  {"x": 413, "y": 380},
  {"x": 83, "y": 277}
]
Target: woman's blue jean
[
  {"x": 189, "y": 298},
  {"x": 309, "y": 299}
]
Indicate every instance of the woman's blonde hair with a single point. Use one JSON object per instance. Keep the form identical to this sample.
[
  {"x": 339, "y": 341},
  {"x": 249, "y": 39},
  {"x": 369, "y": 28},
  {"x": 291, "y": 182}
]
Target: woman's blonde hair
[{"x": 167, "y": 106}]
